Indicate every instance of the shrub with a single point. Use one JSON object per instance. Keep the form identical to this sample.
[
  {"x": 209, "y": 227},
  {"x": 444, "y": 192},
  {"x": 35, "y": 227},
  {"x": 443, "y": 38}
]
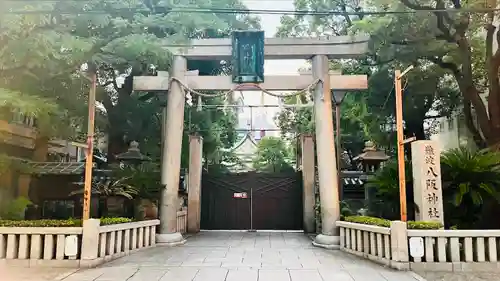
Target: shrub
[
  {"x": 369, "y": 220},
  {"x": 108, "y": 221},
  {"x": 58, "y": 223},
  {"x": 14, "y": 210},
  {"x": 387, "y": 223},
  {"x": 40, "y": 223},
  {"x": 424, "y": 225}
]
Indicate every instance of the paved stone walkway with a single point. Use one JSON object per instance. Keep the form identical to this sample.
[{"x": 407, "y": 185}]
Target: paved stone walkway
[
  {"x": 216, "y": 256},
  {"x": 18, "y": 273}
]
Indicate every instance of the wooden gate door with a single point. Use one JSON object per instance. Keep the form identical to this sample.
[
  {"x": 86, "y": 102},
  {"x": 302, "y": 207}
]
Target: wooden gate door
[
  {"x": 219, "y": 207},
  {"x": 252, "y": 200},
  {"x": 277, "y": 201}
]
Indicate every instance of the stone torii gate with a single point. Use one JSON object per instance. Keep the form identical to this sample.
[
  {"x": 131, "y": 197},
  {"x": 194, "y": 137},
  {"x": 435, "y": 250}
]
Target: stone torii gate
[{"x": 320, "y": 50}]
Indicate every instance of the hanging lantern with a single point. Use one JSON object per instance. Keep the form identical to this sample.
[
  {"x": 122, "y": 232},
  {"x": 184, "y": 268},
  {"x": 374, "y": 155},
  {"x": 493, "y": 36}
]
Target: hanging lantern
[{"x": 248, "y": 56}]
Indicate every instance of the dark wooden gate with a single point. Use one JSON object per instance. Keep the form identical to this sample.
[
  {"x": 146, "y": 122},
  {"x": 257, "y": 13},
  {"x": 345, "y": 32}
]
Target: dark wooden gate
[{"x": 273, "y": 201}]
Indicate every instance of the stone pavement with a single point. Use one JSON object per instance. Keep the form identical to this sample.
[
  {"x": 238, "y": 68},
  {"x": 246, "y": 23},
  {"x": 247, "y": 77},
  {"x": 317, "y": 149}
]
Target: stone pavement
[
  {"x": 238, "y": 256},
  {"x": 18, "y": 273}
]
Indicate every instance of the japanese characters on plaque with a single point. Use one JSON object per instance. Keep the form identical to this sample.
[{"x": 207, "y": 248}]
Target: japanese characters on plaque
[{"x": 427, "y": 181}]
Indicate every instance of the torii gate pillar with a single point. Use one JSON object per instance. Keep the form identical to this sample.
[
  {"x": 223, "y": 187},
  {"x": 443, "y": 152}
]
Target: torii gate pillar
[
  {"x": 171, "y": 157},
  {"x": 325, "y": 147}
]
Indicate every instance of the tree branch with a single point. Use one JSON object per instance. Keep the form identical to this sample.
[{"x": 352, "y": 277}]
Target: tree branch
[{"x": 441, "y": 17}]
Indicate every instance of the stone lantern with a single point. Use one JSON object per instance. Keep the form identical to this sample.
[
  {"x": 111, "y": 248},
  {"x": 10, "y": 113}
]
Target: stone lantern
[
  {"x": 371, "y": 159},
  {"x": 133, "y": 155},
  {"x": 144, "y": 207}
]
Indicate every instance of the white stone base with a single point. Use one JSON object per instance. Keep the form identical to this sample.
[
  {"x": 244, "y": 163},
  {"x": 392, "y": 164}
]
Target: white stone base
[
  {"x": 170, "y": 239},
  {"x": 327, "y": 242}
]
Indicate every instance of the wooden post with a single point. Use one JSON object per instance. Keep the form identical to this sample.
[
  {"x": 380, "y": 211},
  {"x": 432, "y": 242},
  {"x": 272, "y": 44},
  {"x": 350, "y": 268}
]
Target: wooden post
[
  {"x": 400, "y": 145},
  {"x": 87, "y": 193}
]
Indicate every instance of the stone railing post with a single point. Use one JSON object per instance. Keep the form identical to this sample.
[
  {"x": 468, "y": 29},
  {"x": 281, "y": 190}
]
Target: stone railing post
[
  {"x": 90, "y": 239},
  {"x": 399, "y": 242}
]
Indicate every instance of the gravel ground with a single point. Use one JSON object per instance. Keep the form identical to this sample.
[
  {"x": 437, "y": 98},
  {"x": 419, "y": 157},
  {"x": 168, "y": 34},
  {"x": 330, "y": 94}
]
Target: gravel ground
[{"x": 462, "y": 276}]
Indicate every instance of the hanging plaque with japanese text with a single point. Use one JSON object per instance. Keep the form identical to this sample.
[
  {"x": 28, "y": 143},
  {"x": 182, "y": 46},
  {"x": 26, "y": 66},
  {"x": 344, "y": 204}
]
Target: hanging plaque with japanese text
[{"x": 427, "y": 181}]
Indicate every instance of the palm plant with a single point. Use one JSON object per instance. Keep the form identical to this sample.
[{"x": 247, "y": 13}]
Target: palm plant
[
  {"x": 471, "y": 182},
  {"x": 110, "y": 187},
  {"x": 471, "y": 174}
]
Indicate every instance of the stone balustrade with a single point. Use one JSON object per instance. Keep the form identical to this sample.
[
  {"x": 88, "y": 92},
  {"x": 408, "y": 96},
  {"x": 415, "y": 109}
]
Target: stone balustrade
[
  {"x": 119, "y": 239},
  {"x": 182, "y": 221},
  {"x": 86, "y": 246},
  {"x": 380, "y": 244},
  {"x": 31, "y": 246},
  {"x": 457, "y": 250},
  {"x": 434, "y": 250}
]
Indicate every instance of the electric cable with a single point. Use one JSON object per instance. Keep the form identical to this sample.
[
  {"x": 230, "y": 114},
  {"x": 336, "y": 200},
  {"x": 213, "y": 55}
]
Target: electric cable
[{"x": 214, "y": 10}]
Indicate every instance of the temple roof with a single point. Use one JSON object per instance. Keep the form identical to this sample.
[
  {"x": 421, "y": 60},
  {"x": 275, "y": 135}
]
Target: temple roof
[
  {"x": 247, "y": 138},
  {"x": 370, "y": 152}
]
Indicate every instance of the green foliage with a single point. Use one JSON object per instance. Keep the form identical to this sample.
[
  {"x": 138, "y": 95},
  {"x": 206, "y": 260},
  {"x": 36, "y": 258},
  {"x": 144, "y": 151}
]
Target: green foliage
[
  {"x": 385, "y": 182},
  {"x": 272, "y": 155},
  {"x": 295, "y": 121},
  {"x": 42, "y": 53},
  {"x": 58, "y": 223},
  {"x": 424, "y": 225},
  {"x": 368, "y": 220},
  {"x": 471, "y": 174},
  {"x": 369, "y": 114},
  {"x": 471, "y": 181},
  {"x": 142, "y": 180},
  {"x": 109, "y": 221},
  {"x": 14, "y": 210},
  {"x": 215, "y": 125},
  {"x": 387, "y": 223},
  {"x": 9, "y": 164},
  {"x": 40, "y": 223},
  {"x": 50, "y": 118},
  {"x": 460, "y": 44},
  {"x": 345, "y": 209},
  {"x": 111, "y": 187}
]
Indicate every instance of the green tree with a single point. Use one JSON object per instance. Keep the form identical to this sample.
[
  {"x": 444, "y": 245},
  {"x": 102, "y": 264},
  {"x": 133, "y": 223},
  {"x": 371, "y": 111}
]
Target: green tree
[
  {"x": 365, "y": 112},
  {"x": 122, "y": 40},
  {"x": 272, "y": 155},
  {"x": 459, "y": 43},
  {"x": 383, "y": 187}
]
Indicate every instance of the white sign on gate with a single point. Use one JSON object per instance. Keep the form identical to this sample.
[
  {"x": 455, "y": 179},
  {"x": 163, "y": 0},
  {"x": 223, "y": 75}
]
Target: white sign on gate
[{"x": 242, "y": 195}]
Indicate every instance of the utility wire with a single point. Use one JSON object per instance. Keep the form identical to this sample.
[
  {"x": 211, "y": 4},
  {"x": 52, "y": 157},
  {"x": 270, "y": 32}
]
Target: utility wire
[{"x": 214, "y": 10}]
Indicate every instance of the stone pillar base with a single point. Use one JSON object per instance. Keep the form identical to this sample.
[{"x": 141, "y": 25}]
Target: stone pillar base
[
  {"x": 327, "y": 242},
  {"x": 170, "y": 239}
]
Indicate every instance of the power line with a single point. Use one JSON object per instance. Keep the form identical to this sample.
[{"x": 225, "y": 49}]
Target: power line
[
  {"x": 213, "y": 10},
  {"x": 387, "y": 98}
]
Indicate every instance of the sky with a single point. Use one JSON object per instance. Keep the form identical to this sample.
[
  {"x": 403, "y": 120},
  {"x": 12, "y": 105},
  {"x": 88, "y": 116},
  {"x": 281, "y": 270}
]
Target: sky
[{"x": 263, "y": 117}]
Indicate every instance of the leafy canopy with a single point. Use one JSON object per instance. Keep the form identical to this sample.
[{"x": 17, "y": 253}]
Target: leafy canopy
[{"x": 272, "y": 155}]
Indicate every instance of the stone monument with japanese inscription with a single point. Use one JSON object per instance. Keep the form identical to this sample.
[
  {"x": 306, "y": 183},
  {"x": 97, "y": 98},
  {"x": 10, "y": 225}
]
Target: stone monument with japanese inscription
[{"x": 427, "y": 189}]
